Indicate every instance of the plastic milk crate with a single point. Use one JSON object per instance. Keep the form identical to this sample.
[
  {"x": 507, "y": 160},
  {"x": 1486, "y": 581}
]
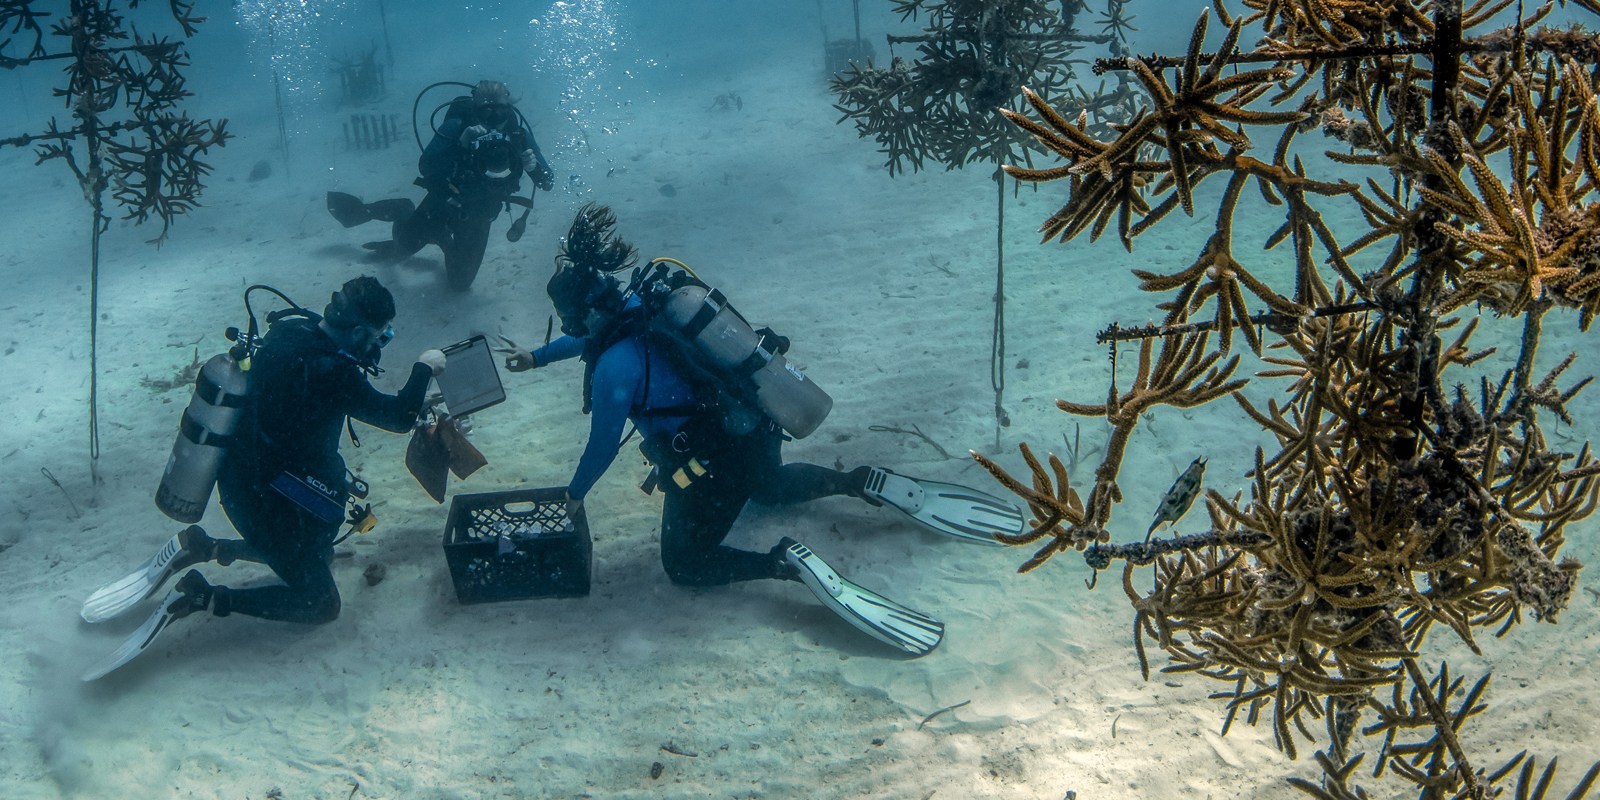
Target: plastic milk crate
[{"x": 516, "y": 544}]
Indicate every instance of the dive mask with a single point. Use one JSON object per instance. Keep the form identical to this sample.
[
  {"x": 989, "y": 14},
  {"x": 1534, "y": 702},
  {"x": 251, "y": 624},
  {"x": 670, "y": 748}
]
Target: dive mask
[{"x": 493, "y": 114}]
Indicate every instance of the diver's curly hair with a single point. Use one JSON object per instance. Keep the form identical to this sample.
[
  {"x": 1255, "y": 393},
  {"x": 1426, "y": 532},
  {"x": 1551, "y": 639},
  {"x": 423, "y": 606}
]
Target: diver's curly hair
[{"x": 592, "y": 244}]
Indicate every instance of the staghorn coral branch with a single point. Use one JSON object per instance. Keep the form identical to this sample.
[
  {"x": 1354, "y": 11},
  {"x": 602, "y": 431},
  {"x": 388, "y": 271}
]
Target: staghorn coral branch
[{"x": 1389, "y": 506}]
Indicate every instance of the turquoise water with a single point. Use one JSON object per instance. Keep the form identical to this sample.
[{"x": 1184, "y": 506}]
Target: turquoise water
[{"x": 886, "y": 286}]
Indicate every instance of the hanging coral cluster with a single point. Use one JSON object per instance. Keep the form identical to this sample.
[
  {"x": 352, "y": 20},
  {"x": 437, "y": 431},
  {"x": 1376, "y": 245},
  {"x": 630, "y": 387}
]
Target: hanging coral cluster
[
  {"x": 151, "y": 160},
  {"x": 971, "y": 59},
  {"x": 1395, "y": 502}
]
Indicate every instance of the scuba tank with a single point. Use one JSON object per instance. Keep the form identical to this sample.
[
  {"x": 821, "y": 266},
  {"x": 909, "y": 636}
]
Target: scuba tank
[
  {"x": 704, "y": 318},
  {"x": 221, "y": 392}
]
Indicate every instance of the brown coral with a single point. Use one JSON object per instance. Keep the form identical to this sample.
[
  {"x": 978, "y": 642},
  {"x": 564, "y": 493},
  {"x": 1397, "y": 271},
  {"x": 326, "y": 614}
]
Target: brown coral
[{"x": 1393, "y": 504}]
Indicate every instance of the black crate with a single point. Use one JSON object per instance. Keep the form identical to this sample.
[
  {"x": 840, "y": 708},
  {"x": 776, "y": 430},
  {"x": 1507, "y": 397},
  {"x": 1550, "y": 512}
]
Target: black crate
[{"x": 515, "y": 545}]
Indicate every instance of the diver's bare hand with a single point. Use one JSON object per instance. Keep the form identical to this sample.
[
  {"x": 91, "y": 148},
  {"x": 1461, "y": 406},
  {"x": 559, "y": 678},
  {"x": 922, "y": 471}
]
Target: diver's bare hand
[
  {"x": 435, "y": 359},
  {"x": 472, "y": 134},
  {"x": 520, "y": 360}
]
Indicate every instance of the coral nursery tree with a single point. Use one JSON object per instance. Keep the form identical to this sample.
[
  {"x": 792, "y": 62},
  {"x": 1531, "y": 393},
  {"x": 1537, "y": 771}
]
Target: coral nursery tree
[
  {"x": 972, "y": 58},
  {"x": 127, "y": 135},
  {"x": 1405, "y": 500}
]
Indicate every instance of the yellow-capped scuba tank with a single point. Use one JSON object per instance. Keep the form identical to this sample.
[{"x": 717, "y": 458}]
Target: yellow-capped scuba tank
[
  {"x": 703, "y": 316},
  {"x": 220, "y": 393}
]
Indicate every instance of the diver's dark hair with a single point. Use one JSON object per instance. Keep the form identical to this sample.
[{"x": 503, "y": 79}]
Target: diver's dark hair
[
  {"x": 361, "y": 301},
  {"x": 573, "y": 291},
  {"x": 592, "y": 245}
]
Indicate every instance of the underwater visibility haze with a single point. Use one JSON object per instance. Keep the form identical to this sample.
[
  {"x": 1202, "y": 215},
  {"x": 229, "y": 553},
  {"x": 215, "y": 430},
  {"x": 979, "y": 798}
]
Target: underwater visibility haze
[{"x": 1016, "y": 399}]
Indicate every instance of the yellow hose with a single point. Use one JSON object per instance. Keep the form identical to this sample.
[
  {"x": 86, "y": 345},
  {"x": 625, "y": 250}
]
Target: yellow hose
[{"x": 681, "y": 265}]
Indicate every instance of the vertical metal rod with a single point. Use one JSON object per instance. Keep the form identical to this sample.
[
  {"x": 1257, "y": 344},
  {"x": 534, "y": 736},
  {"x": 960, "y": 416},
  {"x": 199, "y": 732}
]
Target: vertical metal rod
[
  {"x": 383, "y": 19},
  {"x": 277, "y": 96},
  {"x": 997, "y": 346}
]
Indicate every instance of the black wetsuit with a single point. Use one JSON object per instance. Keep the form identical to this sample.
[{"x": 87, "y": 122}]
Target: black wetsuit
[
  {"x": 695, "y": 520},
  {"x": 462, "y": 201},
  {"x": 302, "y": 387}
]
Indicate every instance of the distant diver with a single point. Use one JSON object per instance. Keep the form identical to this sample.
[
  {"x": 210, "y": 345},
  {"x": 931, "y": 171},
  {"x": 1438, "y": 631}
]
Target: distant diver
[
  {"x": 264, "y": 428},
  {"x": 712, "y": 399},
  {"x": 472, "y": 170}
]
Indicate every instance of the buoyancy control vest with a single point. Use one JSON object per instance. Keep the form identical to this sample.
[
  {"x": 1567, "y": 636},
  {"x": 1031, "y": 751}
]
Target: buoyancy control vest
[{"x": 704, "y": 330}]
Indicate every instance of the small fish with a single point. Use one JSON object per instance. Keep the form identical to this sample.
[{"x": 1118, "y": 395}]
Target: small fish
[{"x": 1182, "y": 494}]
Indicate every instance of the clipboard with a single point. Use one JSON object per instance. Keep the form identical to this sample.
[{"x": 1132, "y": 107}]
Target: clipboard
[{"x": 470, "y": 381}]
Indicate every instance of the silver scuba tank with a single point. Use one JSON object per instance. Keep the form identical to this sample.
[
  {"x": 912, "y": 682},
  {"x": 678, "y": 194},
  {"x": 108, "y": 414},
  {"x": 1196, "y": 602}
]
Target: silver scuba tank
[
  {"x": 220, "y": 393},
  {"x": 704, "y": 317}
]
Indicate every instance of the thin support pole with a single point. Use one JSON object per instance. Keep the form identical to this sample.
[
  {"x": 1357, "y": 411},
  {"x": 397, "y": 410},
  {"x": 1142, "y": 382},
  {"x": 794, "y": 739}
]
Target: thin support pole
[
  {"x": 997, "y": 345},
  {"x": 93, "y": 188},
  {"x": 277, "y": 97},
  {"x": 1433, "y": 248},
  {"x": 22, "y": 97},
  {"x": 383, "y": 20}
]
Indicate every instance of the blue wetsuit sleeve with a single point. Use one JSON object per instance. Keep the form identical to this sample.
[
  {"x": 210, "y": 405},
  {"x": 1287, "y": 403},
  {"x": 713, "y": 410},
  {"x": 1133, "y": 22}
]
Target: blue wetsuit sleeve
[
  {"x": 559, "y": 349},
  {"x": 616, "y": 379},
  {"x": 391, "y": 412}
]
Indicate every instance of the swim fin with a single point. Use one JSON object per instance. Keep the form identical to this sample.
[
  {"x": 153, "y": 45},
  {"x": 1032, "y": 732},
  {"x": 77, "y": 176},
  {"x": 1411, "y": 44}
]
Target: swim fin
[
  {"x": 116, "y": 598},
  {"x": 958, "y": 511},
  {"x": 390, "y": 210},
  {"x": 179, "y": 603},
  {"x": 348, "y": 209},
  {"x": 875, "y": 615}
]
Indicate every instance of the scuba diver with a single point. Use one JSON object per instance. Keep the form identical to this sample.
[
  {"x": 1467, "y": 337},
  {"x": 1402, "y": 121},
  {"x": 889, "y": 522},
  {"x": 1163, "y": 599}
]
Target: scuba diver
[
  {"x": 471, "y": 169},
  {"x": 278, "y": 473},
  {"x": 714, "y": 436}
]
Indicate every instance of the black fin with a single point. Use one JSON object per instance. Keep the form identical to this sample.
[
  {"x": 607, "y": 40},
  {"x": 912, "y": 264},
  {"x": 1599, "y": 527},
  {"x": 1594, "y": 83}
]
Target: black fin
[
  {"x": 348, "y": 209},
  {"x": 384, "y": 249},
  {"x": 390, "y": 210}
]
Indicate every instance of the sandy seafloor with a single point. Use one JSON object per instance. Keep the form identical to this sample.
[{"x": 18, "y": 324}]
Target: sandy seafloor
[{"x": 885, "y": 286}]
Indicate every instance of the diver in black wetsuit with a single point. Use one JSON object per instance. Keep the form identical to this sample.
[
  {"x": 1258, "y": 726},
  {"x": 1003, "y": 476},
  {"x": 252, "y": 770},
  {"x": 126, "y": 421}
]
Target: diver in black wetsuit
[
  {"x": 471, "y": 168},
  {"x": 283, "y": 483}
]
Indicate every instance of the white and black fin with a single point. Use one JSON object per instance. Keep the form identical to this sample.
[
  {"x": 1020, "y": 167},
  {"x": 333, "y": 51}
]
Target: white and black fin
[
  {"x": 116, "y": 598},
  {"x": 875, "y": 615},
  {"x": 959, "y": 511},
  {"x": 141, "y": 639}
]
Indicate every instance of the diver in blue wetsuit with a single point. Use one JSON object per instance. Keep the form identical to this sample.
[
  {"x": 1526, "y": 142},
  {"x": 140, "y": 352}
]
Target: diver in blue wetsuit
[
  {"x": 627, "y": 379},
  {"x": 711, "y": 467}
]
